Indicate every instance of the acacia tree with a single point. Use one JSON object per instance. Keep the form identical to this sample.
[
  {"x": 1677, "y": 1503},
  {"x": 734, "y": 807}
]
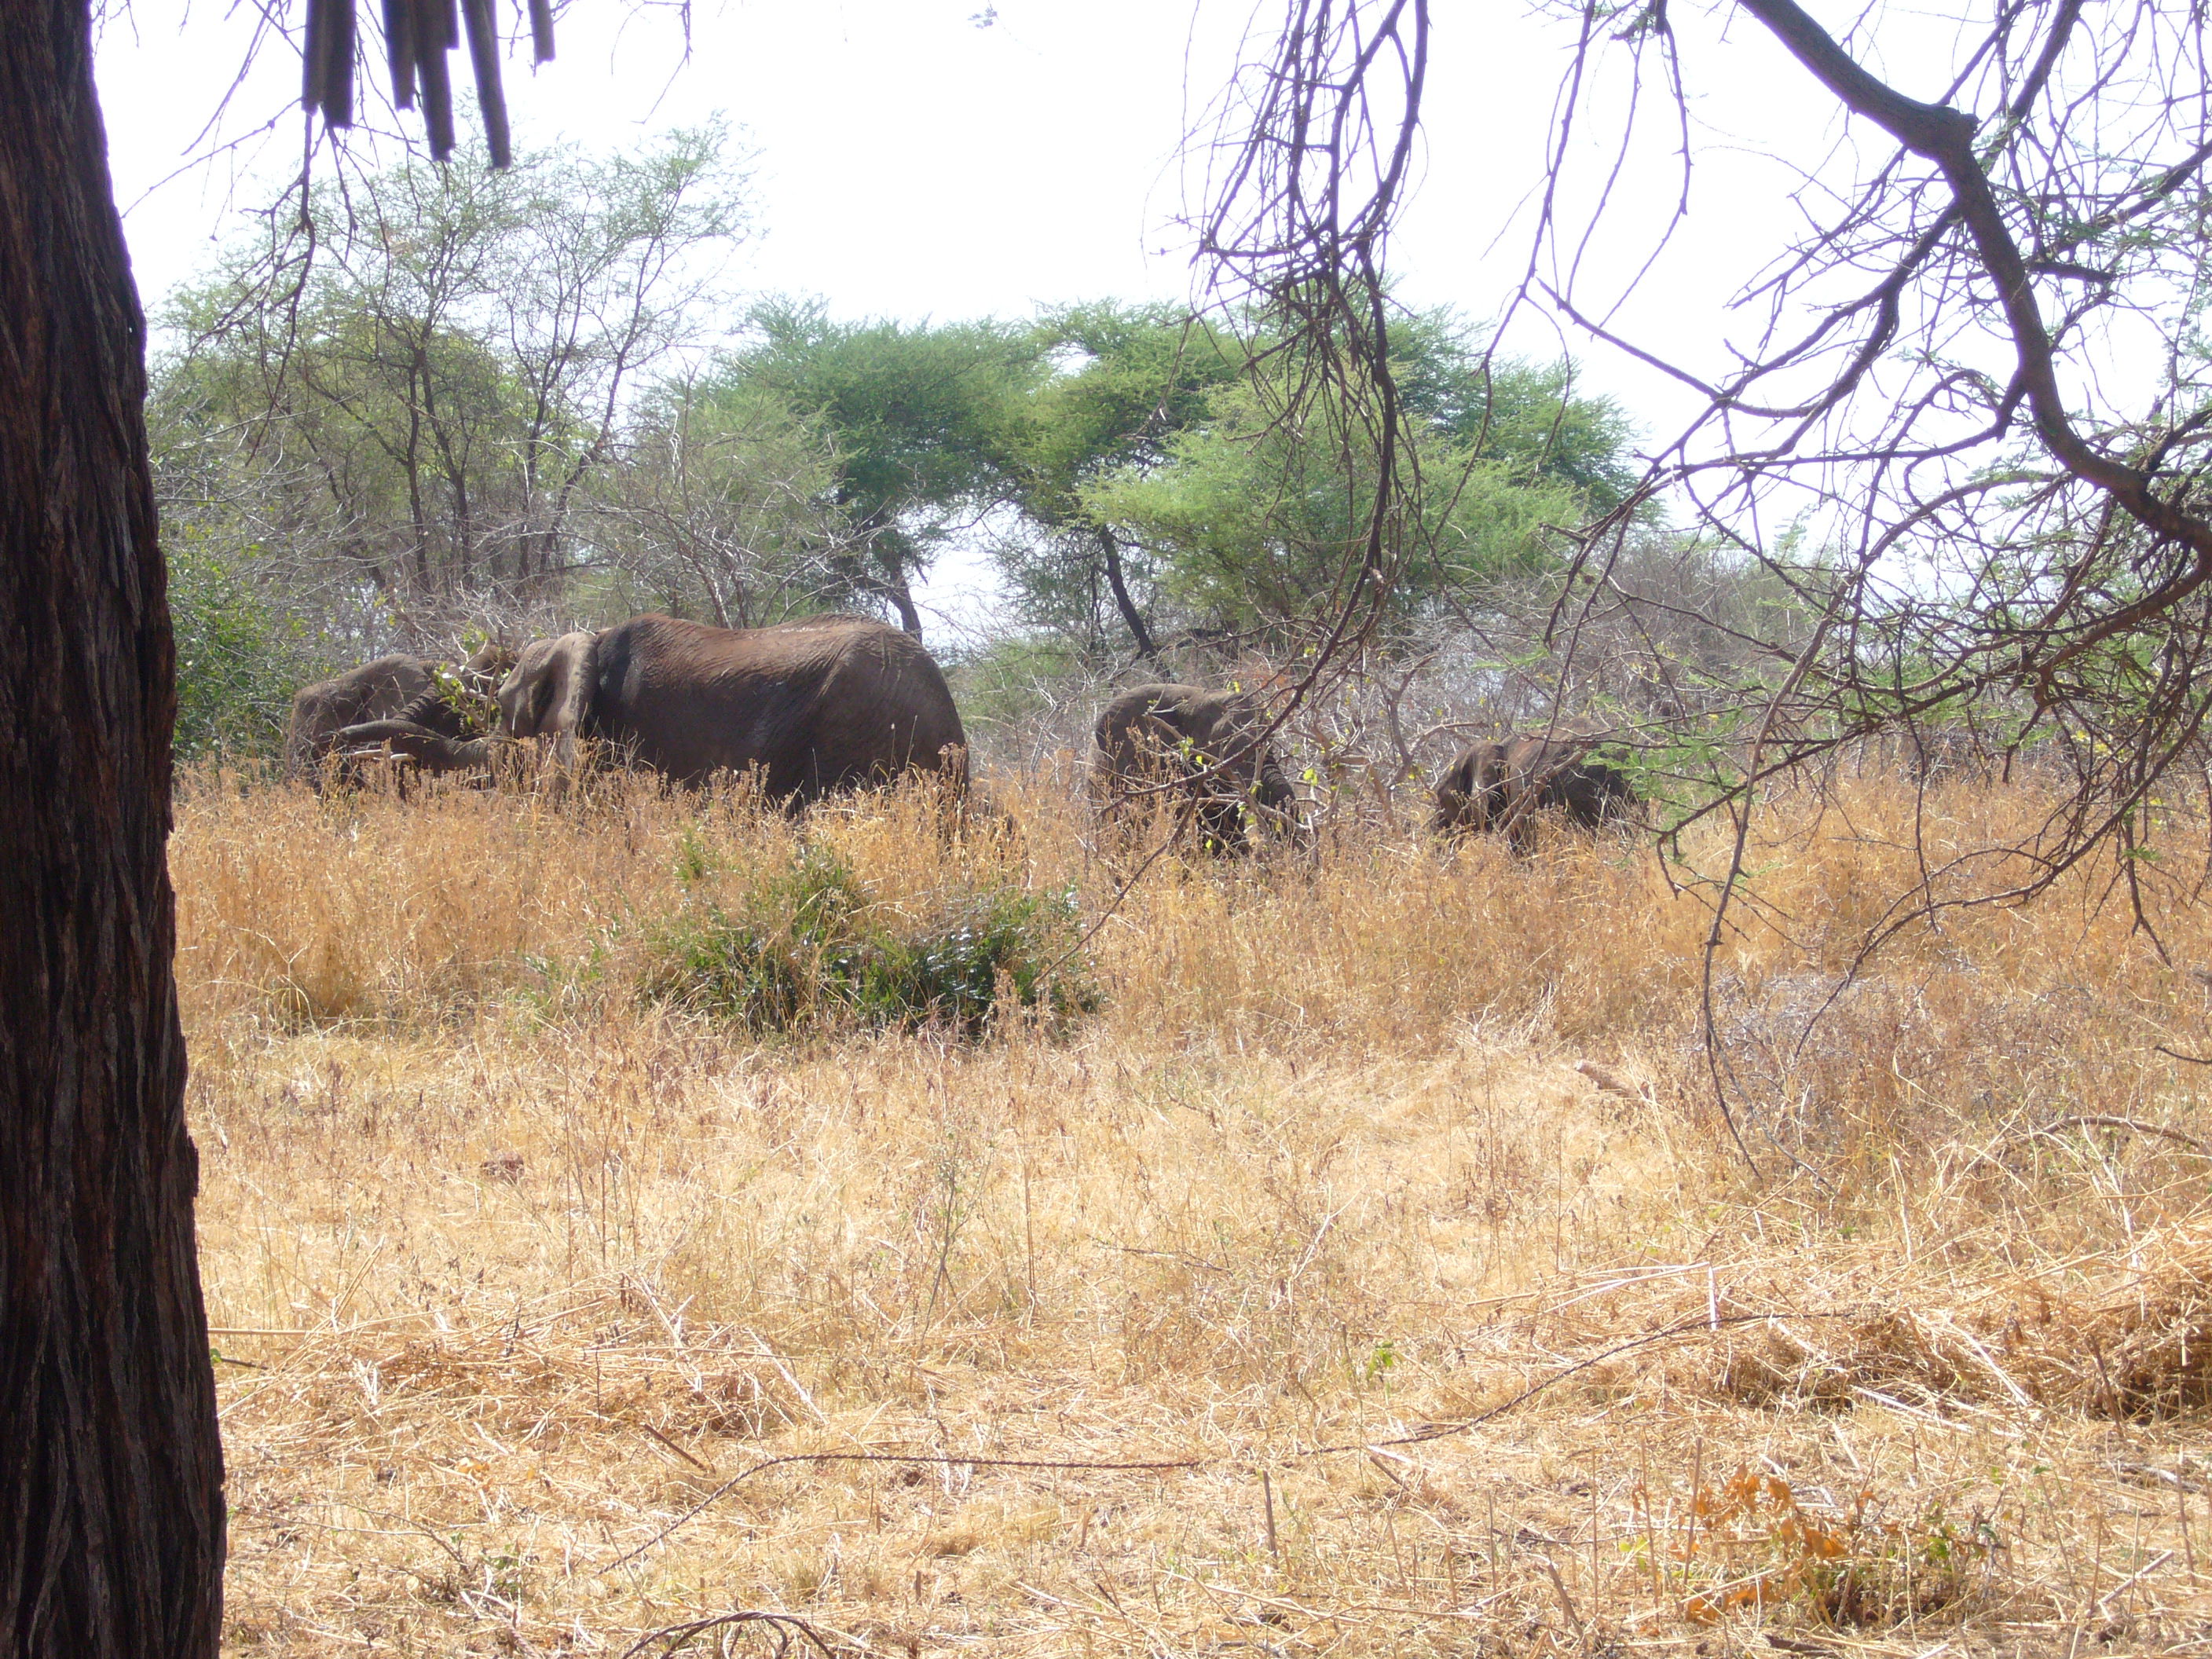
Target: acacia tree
[
  {"x": 412, "y": 382},
  {"x": 1143, "y": 377},
  {"x": 923, "y": 419},
  {"x": 1986, "y": 510},
  {"x": 1247, "y": 516}
]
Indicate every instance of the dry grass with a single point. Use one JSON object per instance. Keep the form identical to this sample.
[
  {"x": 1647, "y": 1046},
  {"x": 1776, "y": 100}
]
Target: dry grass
[{"x": 513, "y": 1269}]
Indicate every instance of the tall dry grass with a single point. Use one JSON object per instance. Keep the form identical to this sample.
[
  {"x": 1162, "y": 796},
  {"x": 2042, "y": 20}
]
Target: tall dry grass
[{"x": 513, "y": 1267}]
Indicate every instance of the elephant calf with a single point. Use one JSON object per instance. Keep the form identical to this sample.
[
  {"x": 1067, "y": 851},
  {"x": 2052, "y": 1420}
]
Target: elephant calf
[
  {"x": 1209, "y": 748},
  {"x": 1503, "y": 786}
]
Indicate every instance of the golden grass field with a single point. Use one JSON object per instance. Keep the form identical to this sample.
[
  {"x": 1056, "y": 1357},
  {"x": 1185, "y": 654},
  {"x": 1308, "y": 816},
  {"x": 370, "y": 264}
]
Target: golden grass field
[{"x": 1369, "y": 1275}]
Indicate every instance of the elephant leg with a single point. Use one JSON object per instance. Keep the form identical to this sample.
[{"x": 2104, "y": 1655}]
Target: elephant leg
[{"x": 1522, "y": 804}]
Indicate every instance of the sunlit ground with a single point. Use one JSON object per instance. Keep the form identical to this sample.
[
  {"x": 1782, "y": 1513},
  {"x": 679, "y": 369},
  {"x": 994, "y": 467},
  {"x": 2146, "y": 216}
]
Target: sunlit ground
[{"x": 1369, "y": 1274}]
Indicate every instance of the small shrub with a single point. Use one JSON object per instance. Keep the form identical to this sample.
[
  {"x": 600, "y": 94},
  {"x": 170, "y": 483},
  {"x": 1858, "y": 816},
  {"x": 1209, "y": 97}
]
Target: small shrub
[
  {"x": 1749, "y": 1546},
  {"x": 812, "y": 947}
]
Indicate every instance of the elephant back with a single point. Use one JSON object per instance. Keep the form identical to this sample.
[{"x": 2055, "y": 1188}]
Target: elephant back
[
  {"x": 1168, "y": 732},
  {"x": 1148, "y": 727},
  {"x": 1501, "y": 784},
  {"x": 823, "y": 704}
]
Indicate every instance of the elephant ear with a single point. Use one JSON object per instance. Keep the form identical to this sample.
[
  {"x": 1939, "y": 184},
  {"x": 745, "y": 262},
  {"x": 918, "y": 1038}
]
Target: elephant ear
[
  {"x": 555, "y": 679},
  {"x": 576, "y": 658}
]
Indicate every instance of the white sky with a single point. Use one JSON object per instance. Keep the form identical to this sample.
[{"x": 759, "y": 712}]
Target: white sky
[{"x": 914, "y": 164}]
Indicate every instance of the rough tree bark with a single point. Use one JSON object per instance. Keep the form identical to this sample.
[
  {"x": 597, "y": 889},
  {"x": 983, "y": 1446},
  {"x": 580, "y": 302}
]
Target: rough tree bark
[{"x": 111, "y": 1475}]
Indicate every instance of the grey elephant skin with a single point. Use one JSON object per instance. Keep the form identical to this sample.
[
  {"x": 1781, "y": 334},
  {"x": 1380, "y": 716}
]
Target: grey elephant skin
[
  {"x": 826, "y": 703},
  {"x": 1170, "y": 734},
  {"x": 375, "y": 690},
  {"x": 437, "y": 709},
  {"x": 399, "y": 693},
  {"x": 1504, "y": 786}
]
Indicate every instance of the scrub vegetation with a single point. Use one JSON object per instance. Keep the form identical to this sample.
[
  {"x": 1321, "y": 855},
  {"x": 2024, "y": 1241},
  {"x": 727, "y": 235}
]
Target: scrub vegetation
[
  {"x": 1335, "y": 1255},
  {"x": 441, "y": 403},
  {"x": 635, "y": 1222}
]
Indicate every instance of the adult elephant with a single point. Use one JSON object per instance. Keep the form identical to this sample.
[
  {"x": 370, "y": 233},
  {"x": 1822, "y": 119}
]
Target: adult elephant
[
  {"x": 826, "y": 703},
  {"x": 1209, "y": 749},
  {"x": 412, "y": 691},
  {"x": 1503, "y": 786}
]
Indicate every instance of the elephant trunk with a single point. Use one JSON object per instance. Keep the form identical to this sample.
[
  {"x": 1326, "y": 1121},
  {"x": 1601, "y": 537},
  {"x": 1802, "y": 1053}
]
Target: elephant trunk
[
  {"x": 1279, "y": 802},
  {"x": 433, "y": 752}
]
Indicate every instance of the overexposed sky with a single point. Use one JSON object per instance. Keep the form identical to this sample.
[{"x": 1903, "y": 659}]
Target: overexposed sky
[
  {"x": 916, "y": 160},
  {"x": 911, "y": 162},
  {"x": 952, "y": 158}
]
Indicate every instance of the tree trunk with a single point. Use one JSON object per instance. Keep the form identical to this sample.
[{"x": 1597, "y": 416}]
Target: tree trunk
[
  {"x": 1111, "y": 545},
  {"x": 111, "y": 1473},
  {"x": 895, "y": 588}
]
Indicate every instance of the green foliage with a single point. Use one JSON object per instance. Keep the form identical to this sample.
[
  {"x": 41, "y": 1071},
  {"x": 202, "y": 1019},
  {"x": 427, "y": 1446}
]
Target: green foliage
[
  {"x": 434, "y": 405},
  {"x": 1253, "y": 521},
  {"x": 1240, "y": 516},
  {"x": 808, "y": 947},
  {"x": 1127, "y": 378},
  {"x": 411, "y": 390},
  {"x": 1014, "y": 678},
  {"x": 1125, "y": 381},
  {"x": 1158, "y": 478},
  {"x": 1502, "y": 409},
  {"x": 722, "y": 508},
  {"x": 923, "y": 419},
  {"x": 238, "y": 658}
]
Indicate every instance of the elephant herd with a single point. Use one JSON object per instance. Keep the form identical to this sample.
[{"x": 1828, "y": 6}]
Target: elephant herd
[{"x": 834, "y": 702}]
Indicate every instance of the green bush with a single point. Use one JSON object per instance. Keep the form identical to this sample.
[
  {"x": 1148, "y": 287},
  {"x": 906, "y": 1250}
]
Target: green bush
[
  {"x": 811, "y": 947},
  {"x": 239, "y": 657},
  {"x": 1013, "y": 681}
]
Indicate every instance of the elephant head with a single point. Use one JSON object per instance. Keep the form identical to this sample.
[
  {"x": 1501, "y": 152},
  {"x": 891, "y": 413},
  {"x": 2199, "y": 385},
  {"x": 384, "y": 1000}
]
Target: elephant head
[
  {"x": 458, "y": 703},
  {"x": 549, "y": 695},
  {"x": 546, "y": 693}
]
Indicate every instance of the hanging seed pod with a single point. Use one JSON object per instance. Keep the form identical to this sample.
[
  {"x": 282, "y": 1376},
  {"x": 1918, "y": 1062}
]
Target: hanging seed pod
[
  {"x": 399, "y": 50},
  {"x": 484, "y": 57},
  {"x": 417, "y": 35},
  {"x": 327, "y": 63}
]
